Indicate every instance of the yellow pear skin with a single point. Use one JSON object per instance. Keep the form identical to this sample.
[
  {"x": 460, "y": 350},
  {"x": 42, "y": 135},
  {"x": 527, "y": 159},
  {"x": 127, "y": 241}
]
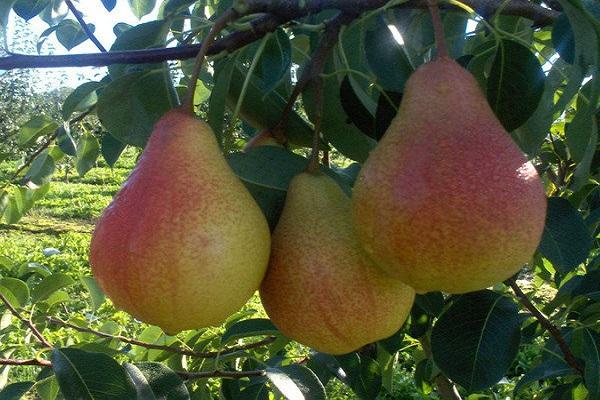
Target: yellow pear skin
[
  {"x": 183, "y": 244},
  {"x": 447, "y": 201},
  {"x": 320, "y": 289}
]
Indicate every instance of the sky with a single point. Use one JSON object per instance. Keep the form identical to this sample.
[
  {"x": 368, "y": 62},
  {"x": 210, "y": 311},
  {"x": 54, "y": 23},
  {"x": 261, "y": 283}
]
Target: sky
[{"x": 95, "y": 13}]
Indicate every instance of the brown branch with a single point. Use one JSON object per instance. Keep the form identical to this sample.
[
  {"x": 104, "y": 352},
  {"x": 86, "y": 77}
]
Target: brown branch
[
  {"x": 545, "y": 322},
  {"x": 183, "y": 374},
  {"x": 191, "y": 353},
  {"x": 445, "y": 387},
  {"x": 314, "y": 67},
  {"x": 279, "y": 13},
  {"x": 25, "y": 322},
  {"x": 85, "y": 26},
  {"x": 220, "y": 374},
  {"x": 32, "y": 361}
]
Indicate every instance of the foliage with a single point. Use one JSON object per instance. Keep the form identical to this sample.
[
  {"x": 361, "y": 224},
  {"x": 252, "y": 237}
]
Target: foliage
[{"x": 541, "y": 81}]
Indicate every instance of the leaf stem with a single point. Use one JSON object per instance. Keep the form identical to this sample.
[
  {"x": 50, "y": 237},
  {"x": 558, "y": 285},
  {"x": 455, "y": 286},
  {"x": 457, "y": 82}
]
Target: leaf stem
[
  {"x": 219, "y": 25},
  {"x": 545, "y": 322}
]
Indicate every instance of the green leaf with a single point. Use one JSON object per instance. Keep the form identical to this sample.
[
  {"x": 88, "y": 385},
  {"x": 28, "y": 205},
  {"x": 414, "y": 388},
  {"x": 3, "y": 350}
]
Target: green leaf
[
  {"x": 111, "y": 149},
  {"x": 532, "y": 133},
  {"x": 5, "y": 7},
  {"x": 364, "y": 375},
  {"x": 218, "y": 96},
  {"x": 65, "y": 140},
  {"x": 566, "y": 240},
  {"x": 591, "y": 357},
  {"x": 81, "y": 99},
  {"x": 588, "y": 286},
  {"x": 130, "y": 106},
  {"x": 155, "y": 381},
  {"x": 545, "y": 370},
  {"x": 344, "y": 136},
  {"x": 47, "y": 389},
  {"x": 109, "y": 4},
  {"x": 70, "y": 33},
  {"x": 475, "y": 341},
  {"x": 88, "y": 149},
  {"x": 142, "y": 36},
  {"x": 297, "y": 382},
  {"x": 515, "y": 84},
  {"x": 28, "y": 9},
  {"x": 15, "y": 290},
  {"x": 264, "y": 111},
  {"x": 139, "y": 8},
  {"x": 15, "y": 391},
  {"x": 247, "y": 328},
  {"x": 90, "y": 376},
  {"x": 34, "y": 128},
  {"x": 563, "y": 39},
  {"x": 41, "y": 168},
  {"x": 49, "y": 285},
  {"x": 386, "y": 58},
  {"x": 275, "y": 60},
  {"x": 267, "y": 171},
  {"x": 97, "y": 296}
]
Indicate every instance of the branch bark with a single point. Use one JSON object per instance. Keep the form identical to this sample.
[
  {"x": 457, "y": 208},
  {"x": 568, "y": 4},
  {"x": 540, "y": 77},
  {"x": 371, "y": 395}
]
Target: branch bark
[
  {"x": 545, "y": 322},
  {"x": 277, "y": 13}
]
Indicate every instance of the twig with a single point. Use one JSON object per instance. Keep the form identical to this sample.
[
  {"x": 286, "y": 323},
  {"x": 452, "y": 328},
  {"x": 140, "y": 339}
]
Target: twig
[
  {"x": 207, "y": 354},
  {"x": 26, "y": 322},
  {"x": 85, "y": 26},
  {"x": 315, "y": 65},
  {"x": 280, "y": 13},
  {"x": 220, "y": 374},
  {"x": 446, "y": 389},
  {"x": 545, "y": 322},
  {"x": 32, "y": 361},
  {"x": 183, "y": 374}
]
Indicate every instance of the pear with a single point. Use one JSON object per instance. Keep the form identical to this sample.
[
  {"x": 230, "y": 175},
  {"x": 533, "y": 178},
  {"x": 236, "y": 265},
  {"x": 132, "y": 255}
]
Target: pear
[
  {"x": 183, "y": 244},
  {"x": 447, "y": 201},
  {"x": 320, "y": 289}
]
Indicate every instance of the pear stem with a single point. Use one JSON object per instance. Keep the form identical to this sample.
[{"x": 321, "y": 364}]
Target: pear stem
[
  {"x": 438, "y": 29},
  {"x": 313, "y": 165},
  {"x": 218, "y": 26}
]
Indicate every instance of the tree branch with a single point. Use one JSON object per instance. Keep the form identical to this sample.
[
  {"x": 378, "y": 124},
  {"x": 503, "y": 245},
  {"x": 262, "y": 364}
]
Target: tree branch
[
  {"x": 183, "y": 374},
  {"x": 545, "y": 322},
  {"x": 85, "y": 26},
  {"x": 191, "y": 353},
  {"x": 25, "y": 322},
  {"x": 278, "y": 13},
  {"x": 32, "y": 361},
  {"x": 220, "y": 374}
]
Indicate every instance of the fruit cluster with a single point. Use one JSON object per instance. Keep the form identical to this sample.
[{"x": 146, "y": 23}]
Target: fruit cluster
[{"x": 446, "y": 202}]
